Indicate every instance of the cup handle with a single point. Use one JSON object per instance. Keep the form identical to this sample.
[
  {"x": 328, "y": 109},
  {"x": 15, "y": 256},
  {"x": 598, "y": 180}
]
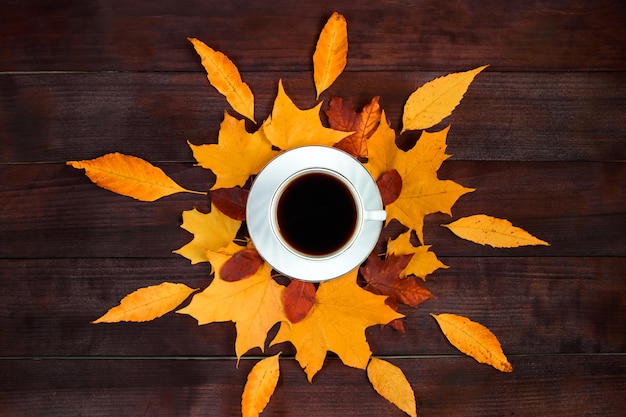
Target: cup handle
[{"x": 375, "y": 215}]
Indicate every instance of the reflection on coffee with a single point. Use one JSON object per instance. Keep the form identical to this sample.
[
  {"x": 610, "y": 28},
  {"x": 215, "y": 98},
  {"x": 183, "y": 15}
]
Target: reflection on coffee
[{"x": 316, "y": 214}]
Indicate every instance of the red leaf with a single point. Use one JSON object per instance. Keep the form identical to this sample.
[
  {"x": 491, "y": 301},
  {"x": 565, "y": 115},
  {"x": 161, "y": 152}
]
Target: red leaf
[
  {"x": 341, "y": 116},
  {"x": 231, "y": 202},
  {"x": 383, "y": 277},
  {"x": 390, "y": 186},
  {"x": 241, "y": 265},
  {"x": 298, "y": 299}
]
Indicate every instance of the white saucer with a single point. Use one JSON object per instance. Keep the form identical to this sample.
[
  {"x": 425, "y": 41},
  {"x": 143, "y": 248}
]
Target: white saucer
[{"x": 261, "y": 219}]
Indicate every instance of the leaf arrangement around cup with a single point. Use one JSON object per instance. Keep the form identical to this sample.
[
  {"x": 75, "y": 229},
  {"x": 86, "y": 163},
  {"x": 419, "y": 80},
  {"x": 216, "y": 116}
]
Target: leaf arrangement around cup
[{"x": 331, "y": 316}]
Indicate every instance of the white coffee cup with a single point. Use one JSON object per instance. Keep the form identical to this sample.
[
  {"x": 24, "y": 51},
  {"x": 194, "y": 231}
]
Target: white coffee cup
[{"x": 294, "y": 203}]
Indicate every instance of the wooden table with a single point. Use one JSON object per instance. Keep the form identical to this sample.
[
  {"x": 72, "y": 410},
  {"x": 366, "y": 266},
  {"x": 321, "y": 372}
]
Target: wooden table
[{"x": 541, "y": 135}]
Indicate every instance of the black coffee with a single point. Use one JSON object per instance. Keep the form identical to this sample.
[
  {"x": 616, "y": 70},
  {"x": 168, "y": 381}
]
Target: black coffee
[{"x": 316, "y": 214}]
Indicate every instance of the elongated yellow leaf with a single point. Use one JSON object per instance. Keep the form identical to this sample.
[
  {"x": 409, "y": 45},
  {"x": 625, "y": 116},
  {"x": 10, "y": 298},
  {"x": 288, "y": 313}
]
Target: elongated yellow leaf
[
  {"x": 389, "y": 381},
  {"x": 487, "y": 230},
  {"x": 225, "y": 77},
  {"x": 130, "y": 176},
  {"x": 474, "y": 340},
  {"x": 260, "y": 386},
  {"x": 435, "y": 100},
  {"x": 331, "y": 53},
  {"x": 148, "y": 303}
]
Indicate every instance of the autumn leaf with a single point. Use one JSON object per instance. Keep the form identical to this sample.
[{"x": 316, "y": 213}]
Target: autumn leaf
[
  {"x": 331, "y": 52},
  {"x": 487, "y": 230},
  {"x": 211, "y": 231},
  {"x": 474, "y": 340},
  {"x": 435, "y": 100},
  {"x": 225, "y": 77},
  {"x": 390, "y": 382},
  {"x": 236, "y": 155},
  {"x": 231, "y": 201},
  {"x": 299, "y": 299},
  {"x": 147, "y": 303},
  {"x": 389, "y": 185},
  {"x": 422, "y": 191},
  {"x": 337, "y": 323},
  {"x": 422, "y": 263},
  {"x": 254, "y": 304},
  {"x": 341, "y": 116},
  {"x": 130, "y": 176},
  {"x": 241, "y": 265},
  {"x": 383, "y": 277},
  {"x": 289, "y": 127},
  {"x": 260, "y": 386}
]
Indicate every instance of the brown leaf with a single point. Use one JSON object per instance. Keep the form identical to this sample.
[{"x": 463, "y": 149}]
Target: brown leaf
[
  {"x": 342, "y": 116},
  {"x": 383, "y": 277},
  {"x": 390, "y": 185},
  {"x": 231, "y": 202},
  {"x": 241, "y": 265},
  {"x": 298, "y": 298}
]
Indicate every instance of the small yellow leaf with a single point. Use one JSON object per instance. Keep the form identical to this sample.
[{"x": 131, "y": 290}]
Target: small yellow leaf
[
  {"x": 474, "y": 340},
  {"x": 331, "y": 51},
  {"x": 225, "y": 77},
  {"x": 391, "y": 383},
  {"x": 147, "y": 303},
  {"x": 260, "y": 386},
  {"x": 211, "y": 231},
  {"x": 435, "y": 100},
  {"x": 423, "y": 262},
  {"x": 130, "y": 176},
  {"x": 487, "y": 230}
]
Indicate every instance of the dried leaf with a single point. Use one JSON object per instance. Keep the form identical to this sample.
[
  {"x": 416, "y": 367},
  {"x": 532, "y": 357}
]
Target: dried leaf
[
  {"x": 299, "y": 299},
  {"x": 331, "y": 52},
  {"x": 422, "y": 263},
  {"x": 254, "y": 304},
  {"x": 236, "y": 155},
  {"x": 383, "y": 277},
  {"x": 147, "y": 303},
  {"x": 389, "y": 185},
  {"x": 435, "y": 100},
  {"x": 341, "y": 116},
  {"x": 225, "y": 77},
  {"x": 474, "y": 340},
  {"x": 231, "y": 201},
  {"x": 241, "y": 265},
  {"x": 337, "y": 323},
  {"x": 130, "y": 176},
  {"x": 211, "y": 231},
  {"x": 289, "y": 127},
  {"x": 487, "y": 230},
  {"x": 391, "y": 383},
  {"x": 260, "y": 386}
]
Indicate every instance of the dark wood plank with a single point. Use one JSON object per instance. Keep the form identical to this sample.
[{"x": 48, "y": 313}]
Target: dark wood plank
[
  {"x": 53, "y": 210},
  {"x": 515, "y": 35},
  {"x": 555, "y": 386},
  {"x": 505, "y": 116},
  {"x": 534, "y": 305}
]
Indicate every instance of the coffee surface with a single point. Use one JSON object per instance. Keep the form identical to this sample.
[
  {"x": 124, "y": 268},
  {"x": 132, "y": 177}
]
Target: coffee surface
[{"x": 316, "y": 214}]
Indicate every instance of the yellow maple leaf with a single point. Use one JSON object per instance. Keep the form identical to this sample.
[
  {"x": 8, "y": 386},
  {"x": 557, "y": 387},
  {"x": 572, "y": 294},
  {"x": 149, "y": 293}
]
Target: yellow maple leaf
[
  {"x": 423, "y": 263},
  {"x": 147, "y": 303},
  {"x": 225, "y": 77},
  {"x": 336, "y": 323},
  {"x": 474, "y": 340},
  {"x": 422, "y": 191},
  {"x": 237, "y": 154},
  {"x": 390, "y": 382},
  {"x": 130, "y": 176},
  {"x": 254, "y": 304},
  {"x": 487, "y": 230},
  {"x": 435, "y": 100},
  {"x": 211, "y": 231},
  {"x": 289, "y": 127},
  {"x": 331, "y": 51},
  {"x": 260, "y": 386}
]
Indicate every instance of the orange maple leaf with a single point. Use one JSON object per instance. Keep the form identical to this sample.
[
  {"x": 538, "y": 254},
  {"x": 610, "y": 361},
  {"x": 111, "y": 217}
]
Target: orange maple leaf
[{"x": 341, "y": 116}]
